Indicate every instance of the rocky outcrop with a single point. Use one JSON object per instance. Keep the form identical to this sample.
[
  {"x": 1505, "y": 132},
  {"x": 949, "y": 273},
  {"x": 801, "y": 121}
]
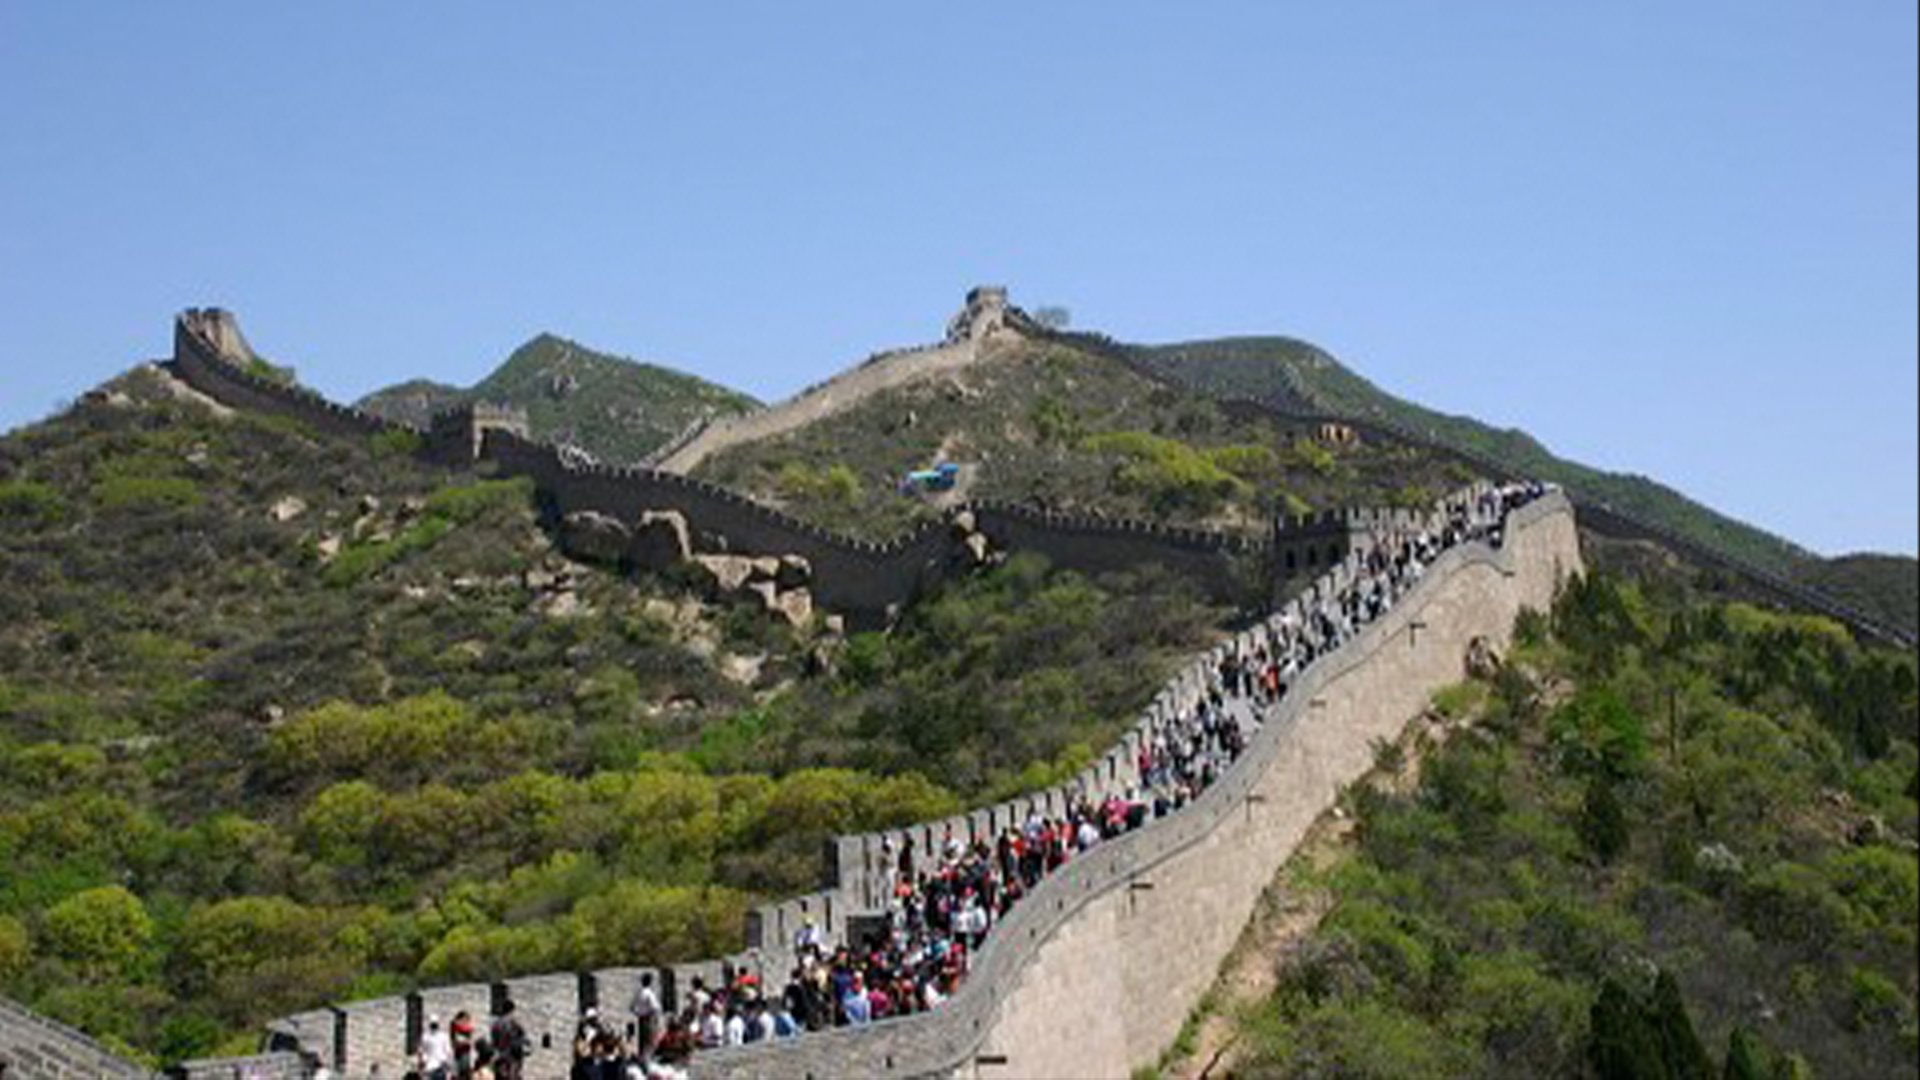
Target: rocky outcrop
[
  {"x": 774, "y": 586},
  {"x": 661, "y": 540},
  {"x": 596, "y": 537}
]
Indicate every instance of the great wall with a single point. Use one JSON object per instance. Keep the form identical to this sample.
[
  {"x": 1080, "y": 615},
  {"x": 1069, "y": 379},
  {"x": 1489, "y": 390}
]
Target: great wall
[{"x": 1118, "y": 946}]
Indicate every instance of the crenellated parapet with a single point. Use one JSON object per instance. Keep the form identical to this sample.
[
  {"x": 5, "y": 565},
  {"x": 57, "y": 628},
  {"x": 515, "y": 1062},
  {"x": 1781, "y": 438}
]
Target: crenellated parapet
[{"x": 211, "y": 355}]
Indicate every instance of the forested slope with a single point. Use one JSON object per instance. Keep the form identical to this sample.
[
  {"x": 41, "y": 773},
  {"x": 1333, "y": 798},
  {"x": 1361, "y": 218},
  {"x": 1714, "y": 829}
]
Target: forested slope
[
  {"x": 1669, "y": 833},
  {"x": 288, "y": 718}
]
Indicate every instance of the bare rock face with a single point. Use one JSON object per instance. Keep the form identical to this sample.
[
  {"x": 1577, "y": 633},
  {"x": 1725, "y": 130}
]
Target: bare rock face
[
  {"x": 766, "y": 594},
  {"x": 591, "y": 535},
  {"x": 764, "y": 568},
  {"x": 661, "y": 540}
]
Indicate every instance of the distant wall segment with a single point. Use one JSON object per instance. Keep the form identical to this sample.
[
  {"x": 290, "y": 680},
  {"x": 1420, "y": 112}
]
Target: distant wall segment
[{"x": 865, "y": 580}]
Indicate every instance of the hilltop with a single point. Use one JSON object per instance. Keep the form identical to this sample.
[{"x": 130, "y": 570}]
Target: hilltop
[
  {"x": 618, "y": 410},
  {"x": 1296, "y": 376},
  {"x": 1048, "y": 423}
]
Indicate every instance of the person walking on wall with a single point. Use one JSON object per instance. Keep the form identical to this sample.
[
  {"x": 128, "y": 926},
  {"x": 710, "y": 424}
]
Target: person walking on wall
[
  {"x": 510, "y": 1045},
  {"x": 646, "y": 1015}
]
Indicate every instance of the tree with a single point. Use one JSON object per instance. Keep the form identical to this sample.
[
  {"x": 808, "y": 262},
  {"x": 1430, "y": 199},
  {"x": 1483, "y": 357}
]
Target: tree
[
  {"x": 1053, "y": 316},
  {"x": 16, "y": 951},
  {"x": 102, "y": 931},
  {"x": 1645, "y": 1038},
  {"x": 1603, "y": 824}
]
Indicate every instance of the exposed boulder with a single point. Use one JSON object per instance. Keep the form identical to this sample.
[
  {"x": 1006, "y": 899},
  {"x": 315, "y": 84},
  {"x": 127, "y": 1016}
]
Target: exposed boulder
[
  {"x": 661, "y": 540},
  {"x": 975, "y": 546},
  {"x": 288, "y": 508},
  {"x": 725, "y": 573},
  {"x": 964, "y": 523},
  {"x": 794, "y": 573},
  {"x": 591, "y": 535},
  {"x": 767, "y": 593},
  {"x": 1482, "y": 661},
  {"x": 795, "y": 606},
  {"x": 764, "y": 568}
]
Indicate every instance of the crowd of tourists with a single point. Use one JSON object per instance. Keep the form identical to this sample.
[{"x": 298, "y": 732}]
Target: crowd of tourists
[{"x": 944, "y": 902}]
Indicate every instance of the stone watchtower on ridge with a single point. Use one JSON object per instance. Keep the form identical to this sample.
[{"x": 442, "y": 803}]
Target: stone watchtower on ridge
[
  {"x": 986, "y": 313},
  {"x": 455, "y": 436}
]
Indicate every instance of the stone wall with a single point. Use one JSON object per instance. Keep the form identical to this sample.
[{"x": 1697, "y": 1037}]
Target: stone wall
[
  {"x": 866, "y": 581},
  {"x": 1297, "y": 409},
  {"x": 1220, "y": 563},
  {"x": 1117, "y": 963},
  {"x": 36, "y": 1048},
  {"x": 208, "y": 366},
  {"x": 1094, "y": 973},
  {"x": 883, "y": 372}
]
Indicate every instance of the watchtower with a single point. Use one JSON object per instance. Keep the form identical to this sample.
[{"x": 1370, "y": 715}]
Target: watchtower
[
  {"x": 1305, "y": 545},
  {"x": 456, "y": 435},
  {"x": 985, "y": 312}
]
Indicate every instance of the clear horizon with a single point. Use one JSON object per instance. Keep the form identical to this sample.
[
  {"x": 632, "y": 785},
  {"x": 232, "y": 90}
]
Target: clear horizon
[{"x": 1681, "y": 243}]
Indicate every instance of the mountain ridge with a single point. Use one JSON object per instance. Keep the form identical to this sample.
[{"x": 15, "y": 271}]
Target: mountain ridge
[{"x": 616, "y": 408}]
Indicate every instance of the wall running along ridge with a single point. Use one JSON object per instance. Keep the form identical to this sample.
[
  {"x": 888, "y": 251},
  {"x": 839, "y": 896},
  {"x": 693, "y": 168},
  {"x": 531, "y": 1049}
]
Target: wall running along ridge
[
  {"x": 1086, "y": 930},
  {"x": 1093, "y": 974},
  {"x": 1090, "y": 952},
  {"x": 1600, "y": 516},
  {"x": 867, "y": 581}
]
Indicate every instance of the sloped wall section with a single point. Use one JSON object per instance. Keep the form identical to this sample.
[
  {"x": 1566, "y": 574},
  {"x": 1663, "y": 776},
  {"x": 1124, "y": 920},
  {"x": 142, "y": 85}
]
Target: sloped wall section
[{"x": 1093, "y": 974}]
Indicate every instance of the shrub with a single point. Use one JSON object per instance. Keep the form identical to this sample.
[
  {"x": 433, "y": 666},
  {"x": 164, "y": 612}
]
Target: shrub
[
  {"x": 30, "y": 501},
  {"x": 104, "y": 931},
  {"x": 146, "y": 492},
  {"x": 1170, "y": 474},
  {"x": 16, "y": 951},
  {"x": 396, "y": 443},
  {"x": 1603, "y": 823}
]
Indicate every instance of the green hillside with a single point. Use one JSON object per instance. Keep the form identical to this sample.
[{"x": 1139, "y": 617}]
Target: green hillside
[
  {"x": 1670, "y": 834},
  {"x": 617, "y": 409},
  {"x": 288, "y": 718},
  {"x": 1886, "y": 587},
  {"x": 1081, "y": 434},
  {"x": 1293, "y": 375}
]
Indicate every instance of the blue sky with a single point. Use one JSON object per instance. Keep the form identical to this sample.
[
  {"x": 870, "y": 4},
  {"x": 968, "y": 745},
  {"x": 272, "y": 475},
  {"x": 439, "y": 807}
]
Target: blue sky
[{"x": 1675, "y": 239}]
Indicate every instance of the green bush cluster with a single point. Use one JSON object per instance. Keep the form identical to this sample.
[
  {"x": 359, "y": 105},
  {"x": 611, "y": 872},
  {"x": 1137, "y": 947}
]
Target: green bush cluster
[
  {"x": 315, "y": 792},
  {"x": 1173, "y": 476}
]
